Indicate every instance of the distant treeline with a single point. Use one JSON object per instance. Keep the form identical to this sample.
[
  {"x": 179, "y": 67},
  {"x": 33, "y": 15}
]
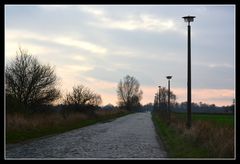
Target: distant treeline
[
  {"x": 181, "y": 107},
  {"x": 203, "y": 107},
  {"x": 196, "y": 107}
]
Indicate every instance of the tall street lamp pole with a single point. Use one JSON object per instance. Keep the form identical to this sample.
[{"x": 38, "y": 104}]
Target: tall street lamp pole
[
  {"x": 169, "y": 114},
  {"x": 159, "y": 97},
  {"x": 189, "y": 19}
]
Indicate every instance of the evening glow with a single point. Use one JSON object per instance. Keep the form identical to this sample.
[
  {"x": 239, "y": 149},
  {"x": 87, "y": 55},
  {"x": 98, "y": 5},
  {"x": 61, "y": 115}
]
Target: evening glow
[{"x": 97, "y": 45}]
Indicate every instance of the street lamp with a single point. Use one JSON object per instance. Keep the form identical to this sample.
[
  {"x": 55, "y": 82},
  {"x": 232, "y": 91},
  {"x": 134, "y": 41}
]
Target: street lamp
[
  {"x": 189, "y": 19},
  {"x": 159, "y": 97},
  {"x": 169, "y": 114}
]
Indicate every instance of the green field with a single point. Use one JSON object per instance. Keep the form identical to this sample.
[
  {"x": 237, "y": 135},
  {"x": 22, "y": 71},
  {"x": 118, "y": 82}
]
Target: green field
[
  {"x": 211, "y": 135},
  {"x": 222, "y": 119}
]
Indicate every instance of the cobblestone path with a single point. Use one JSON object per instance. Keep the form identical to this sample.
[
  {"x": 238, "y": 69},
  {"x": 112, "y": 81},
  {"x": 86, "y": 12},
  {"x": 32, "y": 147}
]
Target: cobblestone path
[{"x": 131, "y": 136}]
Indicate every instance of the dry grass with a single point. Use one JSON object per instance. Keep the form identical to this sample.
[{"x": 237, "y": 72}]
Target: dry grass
[
  {"x": 21, "y": 126},
  {"x": 217, "y": 140},
  {"x": 18, "y": 121}
]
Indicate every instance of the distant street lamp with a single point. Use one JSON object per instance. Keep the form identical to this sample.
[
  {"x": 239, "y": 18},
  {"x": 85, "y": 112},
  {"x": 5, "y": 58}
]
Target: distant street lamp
[
  {"x": 159, "y": 97},
  {"x": 169, "y": 113},
  {"x": 189, "y": 19}
]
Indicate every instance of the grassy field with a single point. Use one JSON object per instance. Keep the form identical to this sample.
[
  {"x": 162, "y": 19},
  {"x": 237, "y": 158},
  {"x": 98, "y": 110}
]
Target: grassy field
[
  {"x": 21, "y": 127},
  {"x": 221, "y": 119},
  {"x": 211, "y": 135}
]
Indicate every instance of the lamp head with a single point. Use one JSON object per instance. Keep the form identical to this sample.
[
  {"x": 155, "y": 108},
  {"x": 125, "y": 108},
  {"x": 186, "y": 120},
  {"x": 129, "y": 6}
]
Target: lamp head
[
  {"x": 169, "y": 77},
  {"x": 188, "y": 18}
]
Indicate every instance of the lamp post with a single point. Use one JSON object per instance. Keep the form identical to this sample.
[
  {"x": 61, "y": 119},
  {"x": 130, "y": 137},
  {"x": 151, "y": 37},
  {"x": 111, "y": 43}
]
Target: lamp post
[
  {"x": 159, "y": 97},
  {"x": 189, "y": 19},
  {"x": 169, "y": 114}
]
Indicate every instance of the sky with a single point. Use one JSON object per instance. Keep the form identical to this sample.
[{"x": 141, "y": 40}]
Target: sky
[{"x": 98, "y": 45}]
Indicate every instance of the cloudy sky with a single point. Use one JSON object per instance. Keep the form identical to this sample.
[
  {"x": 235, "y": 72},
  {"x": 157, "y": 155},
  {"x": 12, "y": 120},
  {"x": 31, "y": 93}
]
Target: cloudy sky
[{"x": 96, "y": 46}]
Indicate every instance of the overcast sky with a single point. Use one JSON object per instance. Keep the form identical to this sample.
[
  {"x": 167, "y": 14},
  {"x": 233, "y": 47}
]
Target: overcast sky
[{"x": 96, "y": 46}]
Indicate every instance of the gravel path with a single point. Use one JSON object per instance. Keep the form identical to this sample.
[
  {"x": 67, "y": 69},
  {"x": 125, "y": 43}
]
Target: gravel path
[{"x": 131, "y": 136}]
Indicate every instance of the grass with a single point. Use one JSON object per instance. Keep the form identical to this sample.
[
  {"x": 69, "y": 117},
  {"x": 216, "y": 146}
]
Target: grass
[
  {"x": 206, "y": 139},
  {"x": 221, "y": 119},
  {"x": 21, "y": 127}
]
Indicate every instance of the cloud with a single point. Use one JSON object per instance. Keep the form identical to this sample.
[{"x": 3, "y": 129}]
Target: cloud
[
  {"x": 14, "y": 34},
  {"x": 142, "y": 22},
  {"x": 66, "y": 71},
  {"x": 130, "y": 21},
  {"x": 92, "y": 10},
  {"x": 77, "y": 68},
  {"x": 101, "y": 85},
  {"x": 25, "y": 39},
  {"x": 21, "y": 36},
  {"x": 210, "y": 64},
  {"x": 224, "y": 65},
  {"x": 53, "y": 7},
  {"x": 91, "y": 47},
  {"x": 79, "y": 58}
]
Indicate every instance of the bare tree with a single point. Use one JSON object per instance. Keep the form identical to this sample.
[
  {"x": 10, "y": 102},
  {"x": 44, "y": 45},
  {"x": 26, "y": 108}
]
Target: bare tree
[
  {"x": 29, "y": 82},
  {"x": 82, "y": 96},
  {"x": 162, "y": 96},
  {"x": 129, "y": 94},
  {"x": 96, "y": 100}
]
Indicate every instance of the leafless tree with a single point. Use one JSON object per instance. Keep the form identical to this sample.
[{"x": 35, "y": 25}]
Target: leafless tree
[
  {"x": 162, "y": 96},
  {"x": 129, "y": 93},
  {"x": 82, "y": 96},
  {"x": 30, "y": 82},
  {"x": 96, "y": 100}
]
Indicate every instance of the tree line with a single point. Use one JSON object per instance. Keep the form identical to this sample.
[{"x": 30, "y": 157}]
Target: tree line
[
  {"x": 29, "y": 85},
  {"x": 161, "y": 98}
]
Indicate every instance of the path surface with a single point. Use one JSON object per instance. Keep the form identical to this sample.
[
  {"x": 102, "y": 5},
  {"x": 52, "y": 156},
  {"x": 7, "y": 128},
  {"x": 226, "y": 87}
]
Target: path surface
[{"x": 131, "y": 136}]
